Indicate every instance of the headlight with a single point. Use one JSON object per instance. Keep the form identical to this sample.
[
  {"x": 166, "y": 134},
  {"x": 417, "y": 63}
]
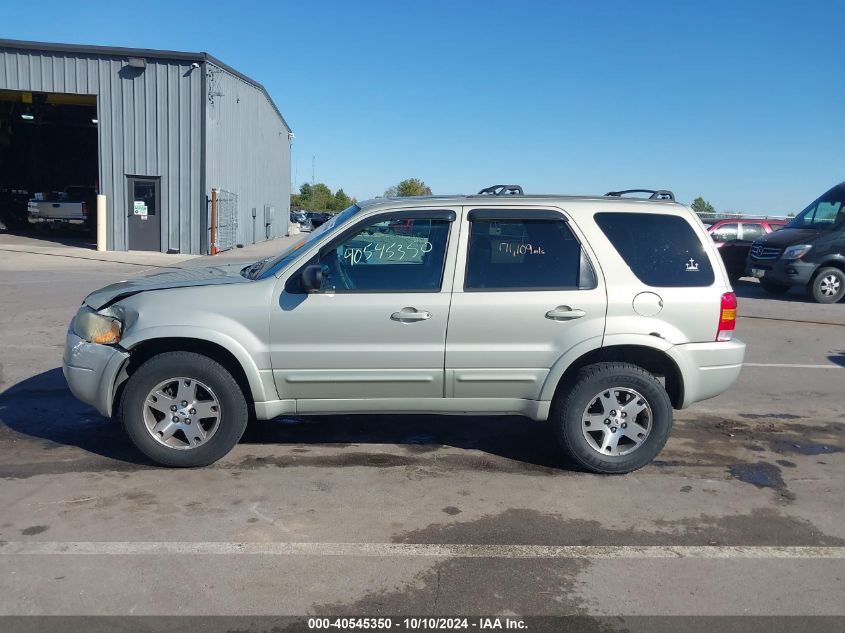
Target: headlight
[
  {"x": 96, "y": 328},
  {"x": 796, "y": 252}
]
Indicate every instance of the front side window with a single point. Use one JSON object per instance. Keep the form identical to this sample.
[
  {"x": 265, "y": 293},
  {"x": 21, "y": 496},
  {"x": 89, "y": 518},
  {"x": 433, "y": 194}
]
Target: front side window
[
  {"x": 661, "y": 250},
  {"x": 725, "y": 233},
  {"x": 524, "y": 254},
  {"x": 398, "y": 254},
  {"x": 828, "y": 212}
]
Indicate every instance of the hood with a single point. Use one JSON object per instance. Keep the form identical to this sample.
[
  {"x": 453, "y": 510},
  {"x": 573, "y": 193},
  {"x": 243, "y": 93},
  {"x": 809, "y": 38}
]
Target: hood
[
  {"x": 786, "y": 237},
  {"x": 179, "y": 278}
]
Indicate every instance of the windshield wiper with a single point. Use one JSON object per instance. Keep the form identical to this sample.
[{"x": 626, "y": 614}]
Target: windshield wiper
[{"x": 252, "y": 270}]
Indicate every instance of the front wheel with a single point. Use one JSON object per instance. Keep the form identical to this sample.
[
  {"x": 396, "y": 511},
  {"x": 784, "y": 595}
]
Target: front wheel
[
  {"x": 183, "y": 409},
  {"x": 827, "y": 286},
  {"x": 615, "y": 419}
]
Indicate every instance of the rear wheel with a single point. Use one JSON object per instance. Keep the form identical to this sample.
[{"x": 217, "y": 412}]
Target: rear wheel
[
  {"x": 774, "y": 288},
  {"x": 827, "y": 286},
  {"x": 183, "y": 409},
  {"x": 615, "y": 418}
]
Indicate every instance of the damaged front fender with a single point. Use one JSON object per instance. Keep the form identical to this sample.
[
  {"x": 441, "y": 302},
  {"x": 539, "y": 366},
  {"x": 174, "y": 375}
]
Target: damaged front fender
[{"x": 91, "y": 371}]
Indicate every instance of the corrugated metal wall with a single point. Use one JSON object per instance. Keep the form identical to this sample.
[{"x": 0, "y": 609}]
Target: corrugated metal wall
[
  {"x": 248, "y": 153},
  {"x": 149, "y": 125}
]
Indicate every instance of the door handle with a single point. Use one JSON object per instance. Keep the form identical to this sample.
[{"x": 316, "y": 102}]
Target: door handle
[
  {"x": 409, "y": 315},
  {"x": 564, "y": 313}
]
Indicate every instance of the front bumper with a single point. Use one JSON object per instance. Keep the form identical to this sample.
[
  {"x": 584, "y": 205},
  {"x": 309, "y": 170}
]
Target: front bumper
[
  {"x": 789, "y": 272},
  {"x": 91, "y": 371},
  {"x": 708, "y": 369}
]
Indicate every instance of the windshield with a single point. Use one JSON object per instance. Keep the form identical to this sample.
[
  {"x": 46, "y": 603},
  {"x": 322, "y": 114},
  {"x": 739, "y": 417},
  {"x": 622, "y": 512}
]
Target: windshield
[
  {"x": 826, "y": 213},
  {"x": 269, "y": 266}
]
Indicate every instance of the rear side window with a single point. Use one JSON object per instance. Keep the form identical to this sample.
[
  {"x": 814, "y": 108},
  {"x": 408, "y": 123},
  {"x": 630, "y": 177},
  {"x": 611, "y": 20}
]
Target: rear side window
[
  {"x": 751, "y": 232},
  {"x": 661, "y": 250},
  {"x": 525, "y": 254}
]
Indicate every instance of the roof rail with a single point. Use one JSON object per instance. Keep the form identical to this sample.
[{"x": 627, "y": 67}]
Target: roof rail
[
  {"x": 502, "y": 190},
  {"x": 655, "y": 194}
]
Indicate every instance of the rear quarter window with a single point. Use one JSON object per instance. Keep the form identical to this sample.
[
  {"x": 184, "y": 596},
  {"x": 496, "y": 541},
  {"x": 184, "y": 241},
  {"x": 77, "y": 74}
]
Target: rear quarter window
[{"x": 661, "y": 250}]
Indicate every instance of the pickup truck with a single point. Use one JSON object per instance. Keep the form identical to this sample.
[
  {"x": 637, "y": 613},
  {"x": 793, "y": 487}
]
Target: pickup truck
[{"x": 71, "y": 206}]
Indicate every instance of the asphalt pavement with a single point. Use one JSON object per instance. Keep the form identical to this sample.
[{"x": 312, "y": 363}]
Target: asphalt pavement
[{"x": 741, "y": 515}]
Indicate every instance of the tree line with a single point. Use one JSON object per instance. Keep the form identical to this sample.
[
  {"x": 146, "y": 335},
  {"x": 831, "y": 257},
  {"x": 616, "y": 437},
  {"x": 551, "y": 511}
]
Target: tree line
[
  {"x": 703, "y": 207},
  {"x": 319, "y": 197}
]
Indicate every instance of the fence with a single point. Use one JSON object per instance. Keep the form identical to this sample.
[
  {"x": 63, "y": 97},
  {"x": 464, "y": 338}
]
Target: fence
[
  {"x": 224, "y": 220},
  {"x": 712, "y": 217}
]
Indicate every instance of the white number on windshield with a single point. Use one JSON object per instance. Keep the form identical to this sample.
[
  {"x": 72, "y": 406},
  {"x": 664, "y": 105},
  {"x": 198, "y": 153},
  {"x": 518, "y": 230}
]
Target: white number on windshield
[{"x": 408, "y": 250}]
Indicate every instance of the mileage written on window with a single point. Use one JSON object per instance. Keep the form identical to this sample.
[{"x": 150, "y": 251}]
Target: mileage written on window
[{"x": 517, "y": 249}]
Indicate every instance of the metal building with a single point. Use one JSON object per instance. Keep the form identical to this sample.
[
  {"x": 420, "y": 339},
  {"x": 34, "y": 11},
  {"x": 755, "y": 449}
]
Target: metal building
[{"x": 173, "y": 130}]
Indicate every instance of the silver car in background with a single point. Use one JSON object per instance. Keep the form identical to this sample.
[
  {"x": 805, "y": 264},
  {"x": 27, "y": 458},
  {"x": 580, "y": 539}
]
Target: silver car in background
[{"x": 599, "y": 314}]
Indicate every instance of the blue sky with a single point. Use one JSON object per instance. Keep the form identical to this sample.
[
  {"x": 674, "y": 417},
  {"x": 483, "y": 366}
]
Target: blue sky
[{"x": 740, "y": 102}]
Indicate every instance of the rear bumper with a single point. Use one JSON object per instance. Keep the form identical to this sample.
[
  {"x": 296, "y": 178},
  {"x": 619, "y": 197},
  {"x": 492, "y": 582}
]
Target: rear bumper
[
  {"x": 37, "y": 219},
  {"x": 789, "y": 272},
  {"x": 91, "y": 371},
  {"x": 708, "y": 369}
]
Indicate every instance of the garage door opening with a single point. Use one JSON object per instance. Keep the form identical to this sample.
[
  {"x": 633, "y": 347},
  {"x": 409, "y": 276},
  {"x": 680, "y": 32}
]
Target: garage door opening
[{"x": 49, "y": 165}]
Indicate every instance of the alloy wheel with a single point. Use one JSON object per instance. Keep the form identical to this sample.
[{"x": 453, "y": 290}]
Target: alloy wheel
[
  {"x": 829, "y": 285},
  {"x": 617, "y": 421},
  {"x": 181, "y": 413}
]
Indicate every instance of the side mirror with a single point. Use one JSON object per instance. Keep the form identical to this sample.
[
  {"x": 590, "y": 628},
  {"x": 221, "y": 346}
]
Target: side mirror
[{"x": 312, "y": 278}]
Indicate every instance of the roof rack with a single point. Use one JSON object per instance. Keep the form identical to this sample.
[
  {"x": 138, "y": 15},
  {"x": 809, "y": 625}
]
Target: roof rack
[
  {"x": 502, "y": 190},
  {"x": 655, "y": 194}
]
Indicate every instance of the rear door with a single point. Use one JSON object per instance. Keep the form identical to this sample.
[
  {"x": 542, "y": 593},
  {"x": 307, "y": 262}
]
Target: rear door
[{"x": 526, "y": 294}]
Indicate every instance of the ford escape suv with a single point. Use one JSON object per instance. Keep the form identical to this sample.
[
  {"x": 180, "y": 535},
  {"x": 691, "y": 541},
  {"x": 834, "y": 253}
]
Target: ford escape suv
[{"x": 599, "y": 314}]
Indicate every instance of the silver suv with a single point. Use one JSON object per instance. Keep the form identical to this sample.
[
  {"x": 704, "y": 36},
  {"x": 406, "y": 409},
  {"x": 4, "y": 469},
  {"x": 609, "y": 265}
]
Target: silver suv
[{"x": 598, "y": 314}]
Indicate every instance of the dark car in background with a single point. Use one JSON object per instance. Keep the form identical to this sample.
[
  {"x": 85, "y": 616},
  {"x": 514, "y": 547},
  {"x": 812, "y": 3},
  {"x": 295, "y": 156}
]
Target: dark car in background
[
  {"x": 809, "y": 251},
  {"x": 733, "y": 237},
  {"x": 317, "y": 218},
  {"x": 13, "y": 208}
]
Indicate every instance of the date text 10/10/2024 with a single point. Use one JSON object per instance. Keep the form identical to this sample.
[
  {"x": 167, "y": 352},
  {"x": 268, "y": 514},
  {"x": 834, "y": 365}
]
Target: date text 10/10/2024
[{"x": 417, "y": 624}]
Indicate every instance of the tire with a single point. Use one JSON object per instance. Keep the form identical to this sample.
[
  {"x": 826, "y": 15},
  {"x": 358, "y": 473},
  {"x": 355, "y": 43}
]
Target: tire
[
  {"x": 212, "y": 385},
  {"x": 827, "y": 286},
  {"x": 774, "y": 288},
  {"x": 570, "y": 415}
]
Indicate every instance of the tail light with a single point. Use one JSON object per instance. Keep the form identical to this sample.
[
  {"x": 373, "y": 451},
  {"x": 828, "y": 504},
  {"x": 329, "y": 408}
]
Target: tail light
[
  {"x": 84, "y": 210},
  {"x": 727, "y": 317}
]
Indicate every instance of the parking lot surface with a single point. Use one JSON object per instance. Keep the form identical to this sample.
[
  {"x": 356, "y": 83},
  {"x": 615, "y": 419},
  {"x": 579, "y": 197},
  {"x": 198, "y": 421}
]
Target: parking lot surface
[{"x": 741, "y": 514}]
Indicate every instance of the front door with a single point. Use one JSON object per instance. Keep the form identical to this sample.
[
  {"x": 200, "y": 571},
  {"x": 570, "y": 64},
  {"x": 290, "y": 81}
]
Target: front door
[
  {"x": 144, "y": 217},
  {"x": 377, "y": 327},
  {"x": 527, "y": 295}
]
